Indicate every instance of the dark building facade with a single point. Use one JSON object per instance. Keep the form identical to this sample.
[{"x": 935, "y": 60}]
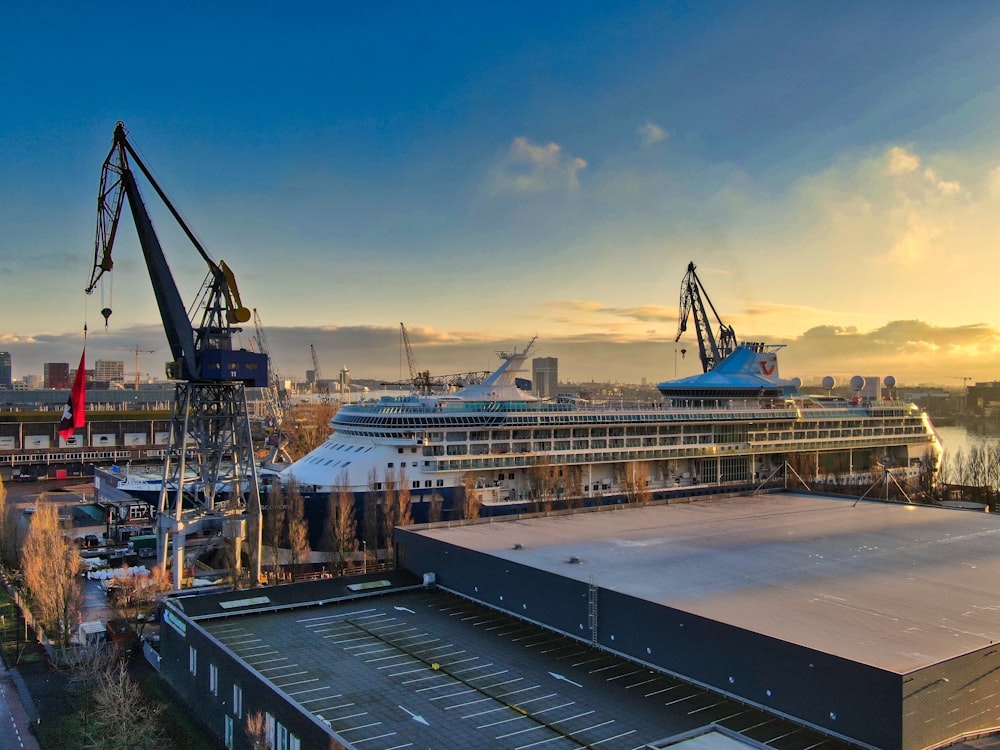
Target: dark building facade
[
  {"x": 6, "y": 370},
  {"x": 56, "y": 375}
]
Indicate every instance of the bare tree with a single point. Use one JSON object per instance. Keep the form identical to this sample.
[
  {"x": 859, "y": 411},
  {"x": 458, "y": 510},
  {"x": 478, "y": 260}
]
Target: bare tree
[
  {"x": 51, "y": 569},
  {"x": 274, "y": 528},
  {"x": 136, "y": 597},
  {"x": 341, "y": 528},
  {"x": 308, "y": 425},
  {"x": 12, "y": 539},
  {"x": 574, "y": 487},
  {"x": 469, "y": 502},
  {"x": 434, "y": 510},
  {"x": 396, "y": 510},
  {"x": 387, "y": 519},
  {"x": 540, "y": 483},
  {"x": 255, "y": 729},
  {"x": 298, "y": 527},
  {"x": 369, "y": 520},
  {"x": 3, "y": 519},
  {"x": 121, "y": 718},
  {"x": 634, "y": 479}
]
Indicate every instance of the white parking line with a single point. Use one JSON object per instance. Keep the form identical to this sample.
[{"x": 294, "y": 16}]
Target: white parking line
[
  {"x": 313, "y": 690},
  {"x": 345, "y": 718},
  {"x": 420, "y": 668},
  {"x": 378, "y": 737},
  {"x": 472, "y": 669},
  {"x": 408, "y": 659},
  {"x": 544, "y": 742},
  {"x": 498, "y": 684},
  {"x": 435, "y": 687},
  {"x": 384, "y": 658},
  {"x": 681, "y": 700},
  {"x": 570, "y": 718},
  {"x": 493, "y": 710},
  {"x": 338, "y": 616},
  {"x": 533, "y": 728},
  {"x": 593, "y": 726},
  {"x": 665, "y": 690},
  {"x": 616, "y": 737},
  {"x": 349, "y": 640},
  {"x": 324, "y": 698},
  {"x": 467, "y": 703},
  {"x": 360, "y": 726},
  {"x": 644, "y": 682},
  {"x": 626, "y": 674},
  {"x": 258, "y": 662},
  {"x": 502, "y": 721},
  {"x": 552, "y": 708},
  {"x": 515, "y": 692},
  {"x": 491, "y": 674},
  {"x": 452, "y": 695},
  {"x": 451, "y": 664},
  {"x": 539, "y": 698},
  {"x": 375, "y": 651},
  {"x": 299, "y": 682},
  {"x": 424, "y": 679}
]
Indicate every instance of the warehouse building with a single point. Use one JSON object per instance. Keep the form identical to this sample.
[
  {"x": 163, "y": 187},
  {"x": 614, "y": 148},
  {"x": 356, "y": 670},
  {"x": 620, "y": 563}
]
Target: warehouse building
[{"x": 878, "y": 623}]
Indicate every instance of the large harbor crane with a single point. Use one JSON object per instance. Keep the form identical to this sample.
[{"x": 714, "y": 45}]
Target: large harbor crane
[
  {"x": 711, "y": 349},
  {"x": 210, "y": 480}
]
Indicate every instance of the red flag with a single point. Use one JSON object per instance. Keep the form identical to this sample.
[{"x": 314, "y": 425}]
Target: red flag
[{"x": 73, "y": 415}]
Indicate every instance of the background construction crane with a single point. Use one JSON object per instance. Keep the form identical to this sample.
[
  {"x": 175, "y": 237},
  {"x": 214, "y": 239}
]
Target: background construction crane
[
  {"x": 210, "y": 425},
  {"x": 137, "y": 351},
  {"x": 419, "y": 381},
  {"x": 320, "y": 386},
  {"x": 711, "y": 350},
  {"x": 275, "y": 396}
]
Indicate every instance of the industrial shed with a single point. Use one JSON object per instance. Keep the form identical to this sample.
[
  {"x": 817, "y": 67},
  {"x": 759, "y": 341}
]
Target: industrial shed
[{"x": 878, "y": 623}]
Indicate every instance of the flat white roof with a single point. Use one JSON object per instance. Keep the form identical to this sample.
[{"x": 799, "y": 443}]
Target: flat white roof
[{"x": 895, "y": 586}]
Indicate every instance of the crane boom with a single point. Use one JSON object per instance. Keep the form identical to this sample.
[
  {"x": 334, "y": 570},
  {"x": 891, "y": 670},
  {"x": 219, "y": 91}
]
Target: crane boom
[
  {"x": 409, "y": 354},
  {"x": 711, "y": 351},
  {"x": 202, "y": 353}
]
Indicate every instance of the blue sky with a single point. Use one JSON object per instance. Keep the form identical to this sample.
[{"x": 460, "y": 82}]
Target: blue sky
[{"x": 488, "y": 172}]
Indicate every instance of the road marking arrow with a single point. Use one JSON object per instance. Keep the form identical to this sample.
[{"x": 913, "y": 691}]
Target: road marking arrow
[
  {"x": 413, "y": 716},
  {"x": 404, "y": 609},
  {"x": 565, "y": 679}
]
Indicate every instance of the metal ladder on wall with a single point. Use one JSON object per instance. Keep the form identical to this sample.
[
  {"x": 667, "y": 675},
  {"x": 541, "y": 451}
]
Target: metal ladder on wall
[{"x": 592, "y": 610}]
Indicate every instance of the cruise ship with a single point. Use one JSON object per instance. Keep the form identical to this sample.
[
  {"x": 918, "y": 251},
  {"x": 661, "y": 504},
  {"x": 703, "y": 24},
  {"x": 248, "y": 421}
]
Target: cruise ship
[{"x": 737, "y": 427}]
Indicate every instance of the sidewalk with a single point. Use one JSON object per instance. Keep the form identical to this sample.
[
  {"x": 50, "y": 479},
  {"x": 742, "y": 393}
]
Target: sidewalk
[{"x": 16, "y": 715}]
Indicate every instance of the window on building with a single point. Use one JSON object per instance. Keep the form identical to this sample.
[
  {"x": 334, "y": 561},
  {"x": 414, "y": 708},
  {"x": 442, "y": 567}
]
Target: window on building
[
  {"x": 213, "y": 679},
  {"x": 229, "y": 732},
  {"x": 238, "y": 701},
  {"x": 269, "y": 728},
  {"x": 192, "y": 660}
]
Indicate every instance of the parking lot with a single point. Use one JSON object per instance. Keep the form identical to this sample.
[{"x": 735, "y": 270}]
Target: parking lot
[{"x": 428, "y": 669}]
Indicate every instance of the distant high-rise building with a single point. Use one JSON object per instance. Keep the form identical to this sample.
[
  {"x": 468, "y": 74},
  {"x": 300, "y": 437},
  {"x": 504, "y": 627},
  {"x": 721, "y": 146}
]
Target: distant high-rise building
[
  {"x": 56, "y": 374},
  {"x": 5, "y": 370},
  {"x": 109, "y": 371},
  {"x": 545, "y": 376}
]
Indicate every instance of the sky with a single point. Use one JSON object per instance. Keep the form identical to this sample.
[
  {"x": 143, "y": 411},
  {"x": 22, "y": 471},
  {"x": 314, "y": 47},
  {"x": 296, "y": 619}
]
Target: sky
[{"x": 485, "y": 173}]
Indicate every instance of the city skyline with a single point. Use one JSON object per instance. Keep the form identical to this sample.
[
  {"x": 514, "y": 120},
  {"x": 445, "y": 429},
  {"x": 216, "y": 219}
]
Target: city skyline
[{"x": 492, "y": 173}]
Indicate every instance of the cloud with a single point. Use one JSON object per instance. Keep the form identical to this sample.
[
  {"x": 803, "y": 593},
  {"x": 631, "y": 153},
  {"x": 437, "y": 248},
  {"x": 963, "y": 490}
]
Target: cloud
[
  {"x": 530, "y": 168},
  {"x": 650, "y": 133},
  {"x": 645, "y": 313}
]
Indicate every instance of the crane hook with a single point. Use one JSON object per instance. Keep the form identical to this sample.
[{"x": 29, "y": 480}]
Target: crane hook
[{"x": 106, "y": 312}]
